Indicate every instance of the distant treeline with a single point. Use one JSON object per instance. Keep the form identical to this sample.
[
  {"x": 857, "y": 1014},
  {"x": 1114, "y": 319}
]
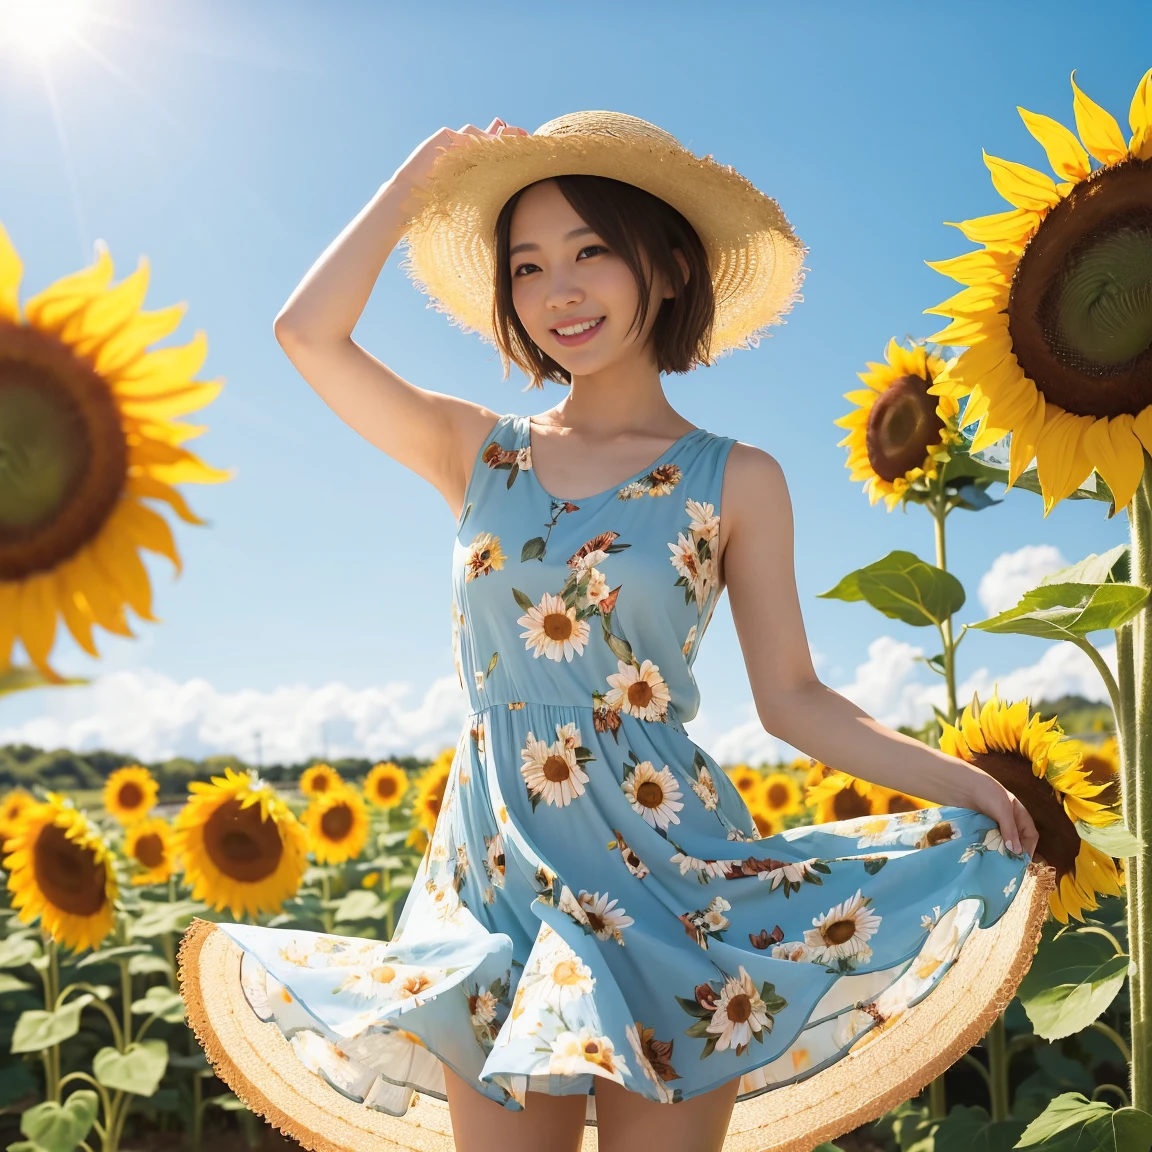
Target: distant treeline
[{"x": 23, "y": 765}]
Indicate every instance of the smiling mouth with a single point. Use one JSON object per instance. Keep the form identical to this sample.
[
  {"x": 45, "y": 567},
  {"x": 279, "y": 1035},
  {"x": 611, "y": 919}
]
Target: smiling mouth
[{"x": 583, "y": 331}]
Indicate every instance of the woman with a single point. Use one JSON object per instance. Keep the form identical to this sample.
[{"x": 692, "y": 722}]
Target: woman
[{"x": 597, "y": 929}]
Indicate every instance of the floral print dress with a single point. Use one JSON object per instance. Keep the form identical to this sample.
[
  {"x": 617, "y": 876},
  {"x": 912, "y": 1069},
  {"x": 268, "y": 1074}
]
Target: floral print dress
[{"x": 595, "y": 902}]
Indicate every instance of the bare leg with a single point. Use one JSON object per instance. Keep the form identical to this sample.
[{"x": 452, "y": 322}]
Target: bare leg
[
  {"x": 547, "y": 1124},
  {"x": 626, "y": 1121}
]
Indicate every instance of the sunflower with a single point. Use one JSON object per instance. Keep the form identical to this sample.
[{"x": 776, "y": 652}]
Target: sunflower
[
  {"x": 151, "y": 843},
  {"x": 779, "y": 795},
  {"x": 430, "y": 793},
  {"x": 899, "y": 434},
  {"x": 1102, "y": 763},
  {"x": 87, "y": 430},
  {"x": 320, "y": 778},
  {"x": 1055, "y": 316},
  {"x": 767, "y": 823},
  {"x": 13, "y": 805},
  {"x": 239, "y": 845},
  {"x": 839, "y": 796},
  {"x": 130, "y": 793},
  {"x": 746, "y": 779},
  {"x": 1025, "y": 754},
  {"x": 385, "y": 785},
  {"x": 888, "y": 801},
  {"x": 337, "y": 824},
  {"x": 60, "y": 869}
]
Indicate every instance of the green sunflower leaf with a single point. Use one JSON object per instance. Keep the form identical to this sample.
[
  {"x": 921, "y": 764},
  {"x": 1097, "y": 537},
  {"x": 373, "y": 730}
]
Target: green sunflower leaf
[
  {"x": 138, "y": 1069},
  {"x": 1112, "y": 839},
  {"x": 1073, "y": 979},
  {"x": 53, "y": 1127},
  {"x": 972, "y": 1130},
  {"x": 36, "y": 1029},
  {"x": 1068, "y": 611},
  {"x": 1072, "y": 1122},
  {"x": 903, "y": 587},
  {"x": 534, "y": 549}
]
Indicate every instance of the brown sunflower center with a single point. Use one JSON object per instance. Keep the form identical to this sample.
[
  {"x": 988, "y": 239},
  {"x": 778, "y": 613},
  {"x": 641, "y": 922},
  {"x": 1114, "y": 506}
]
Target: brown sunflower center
[
  {"x": 241, "y": 845},
  {"x": 67, "y": 873},
  {"x": 1059, "y": 842},
  {"x": 650, "y": 794},
  {"x": 150, "y": 850},
  {"x": 1080, "y": 307},
  {"x": 898, "y": 802},
  {"x": 1101, "y": 770},
  {"x": 130, "y": 795},
  {"x": 63, "y": 456},
  {"x": 336, "y": 823},
  {"x": 739, "y": 1008},
  {"x": 902, "y": 426},
  {"x": 777, "y": 796},
  {"x": 557, "y": 626},
  {"x": 640, "y": 694},
  {"x": 556, "y": 769},
  {"x": 320, "y": 783},
  {"x": 386, "y": 787},
  {"x": 839, "y": 931},
  {"x": 848, "y": 804}
]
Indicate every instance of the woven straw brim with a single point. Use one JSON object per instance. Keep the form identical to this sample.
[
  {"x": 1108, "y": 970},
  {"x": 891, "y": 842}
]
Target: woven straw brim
[
  {"x": 255, "y": 1060},
  {"x": 755, "y": 258}
]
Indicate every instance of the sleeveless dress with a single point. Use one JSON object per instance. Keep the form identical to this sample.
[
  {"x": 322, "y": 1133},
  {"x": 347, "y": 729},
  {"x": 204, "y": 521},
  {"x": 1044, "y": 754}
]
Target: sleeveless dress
[{"x": 595, "y": 901}]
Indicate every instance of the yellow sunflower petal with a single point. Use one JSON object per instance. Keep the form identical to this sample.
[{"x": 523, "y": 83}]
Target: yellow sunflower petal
[
  {"x": 1009, "y": 229},
  {"x": 1022, "y": 446},
  {"x": 1117, "y": 455},
  {"x": 150, "y": 488},
  {"x": 77, "y": 618},
  {"x": 1022, "y": 186},
  {"x": 164, "y": 368},
  {"x": 1062, "y": 464},
  {"x": 11, "y": 270},
  {"x": 175, "y": 402},
  {"x": 1098, "y": 129},
  {"x": 9, "y": 609},
  {"x": 174, "y": 465},
  {"x": 85, "y": 577},
  {"x": 984, "y": 266},
  {"x": 53, "y": 307},
  {"x": 106, "y": 313},
  {"x": 1065, "y": 153},
  {"x": 115, "y": 551},
  {"x": 127, "y": 345},
  {"x": 1140, "y": 119},
  {"x": 37, "y": 618},
  {"x": 973, "y": 302}
]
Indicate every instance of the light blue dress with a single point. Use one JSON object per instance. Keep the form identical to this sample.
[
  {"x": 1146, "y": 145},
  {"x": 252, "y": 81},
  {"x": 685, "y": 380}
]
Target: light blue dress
[{"x": 595, "y": 901}]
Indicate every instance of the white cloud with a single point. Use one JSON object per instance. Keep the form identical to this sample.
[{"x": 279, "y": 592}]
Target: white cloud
[
  {"x": 1014, "y": 573},
  {"x": 145, "y": 714}
]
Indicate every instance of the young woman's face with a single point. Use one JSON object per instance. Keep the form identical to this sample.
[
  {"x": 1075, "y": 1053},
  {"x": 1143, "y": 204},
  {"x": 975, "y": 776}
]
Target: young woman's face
[{"x": 564, "y": 276}]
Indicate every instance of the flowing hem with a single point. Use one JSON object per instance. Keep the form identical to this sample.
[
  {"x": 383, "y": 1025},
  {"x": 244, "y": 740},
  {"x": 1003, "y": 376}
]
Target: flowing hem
[{"x": 258, "y": 1063}]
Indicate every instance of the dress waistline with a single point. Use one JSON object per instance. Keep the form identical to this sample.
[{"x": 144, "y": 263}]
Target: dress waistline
[{"x": 604, "y": 719}]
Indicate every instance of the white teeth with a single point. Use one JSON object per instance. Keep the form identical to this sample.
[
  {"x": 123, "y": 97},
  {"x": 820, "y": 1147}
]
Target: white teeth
[{"x": 579, "y": 327}]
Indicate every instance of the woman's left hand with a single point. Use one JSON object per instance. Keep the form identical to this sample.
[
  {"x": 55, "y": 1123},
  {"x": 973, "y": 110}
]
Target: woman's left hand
[{"x": 1015, "y": 821}]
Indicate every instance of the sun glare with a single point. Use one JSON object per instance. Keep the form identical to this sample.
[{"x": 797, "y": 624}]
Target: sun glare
[{"x": 39, "y": 27}]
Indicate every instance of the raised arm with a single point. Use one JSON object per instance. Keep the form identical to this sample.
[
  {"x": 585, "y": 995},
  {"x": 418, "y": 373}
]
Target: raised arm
[{"x": 436, "y": 435}]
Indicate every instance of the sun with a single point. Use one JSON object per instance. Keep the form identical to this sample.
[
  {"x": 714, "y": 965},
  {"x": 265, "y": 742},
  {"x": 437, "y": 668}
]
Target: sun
[{"x": 40, "y": 27}]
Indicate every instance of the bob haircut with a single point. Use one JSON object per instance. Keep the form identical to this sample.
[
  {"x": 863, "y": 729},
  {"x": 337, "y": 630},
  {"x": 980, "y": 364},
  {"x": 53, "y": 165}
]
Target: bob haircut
[{"x": 632, "y": 223}]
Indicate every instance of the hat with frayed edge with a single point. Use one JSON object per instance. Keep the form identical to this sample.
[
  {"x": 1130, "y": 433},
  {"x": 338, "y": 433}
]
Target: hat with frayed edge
[{"x": 754, "y": 256}]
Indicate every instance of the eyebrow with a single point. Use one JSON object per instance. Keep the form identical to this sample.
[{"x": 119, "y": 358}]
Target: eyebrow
[{"x": 536, "y": 247}]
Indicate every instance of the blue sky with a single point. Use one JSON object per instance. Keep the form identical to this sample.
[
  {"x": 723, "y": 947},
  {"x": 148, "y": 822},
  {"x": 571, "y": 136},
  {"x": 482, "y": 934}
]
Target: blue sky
[{"x": 230, "y": 142}]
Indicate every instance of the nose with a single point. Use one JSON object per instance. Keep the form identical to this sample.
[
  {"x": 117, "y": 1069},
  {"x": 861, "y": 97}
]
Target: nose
[{"x": 562, "y": 292}]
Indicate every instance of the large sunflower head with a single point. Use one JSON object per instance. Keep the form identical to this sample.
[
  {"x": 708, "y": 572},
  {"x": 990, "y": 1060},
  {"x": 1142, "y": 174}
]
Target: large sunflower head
[
  {"x": 151, "y": 845},
  {"x": 899, "y": 435},
  {"x": 430, "y": 790},
  {"x": 239, "y": 845},
  {"x": 337, "y": 824},
  {"x": 385, "y": 785},
  {"x": 840, "y": 796},
  {"x": 320, "y": 778},
  {"x": 13, "y": 805},
  {"x": 60, "y": 869},
  {"x": 746, "y": 779},
  {"x": 1055, "y": 315},
  {"x": 130, "y": 793},
  {"x": 779, "y": 794},
  {"x": 87, "y": 440},
  {"x": 1026, "y": 755}
]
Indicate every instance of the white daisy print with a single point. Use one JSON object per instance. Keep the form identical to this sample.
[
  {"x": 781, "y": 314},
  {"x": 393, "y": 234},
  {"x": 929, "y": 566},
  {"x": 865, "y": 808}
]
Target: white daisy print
[
  {"x": 604, "y": 919},
  {"x": 378, "y": 982},
  {"x": 578, "y": 1054},
  {"x": 791, "y": 950},
  {"x": 654, "y": 795},
  {"x": 524, "y": 458},
  {"x": 566, "y": 979},
  {"x": 640, "y": 692},
  {"x": 740, "y": 1014},
  {"x": 842, "y": 933},
  {"x": 689, "y": 640},
  {"x": 705, "y": 523},
  {"x": 705, "y": 869},
  {"x": 482, "y": 1008},
  {"x": 494, "y": 863},
  {"x": 705, "y": 787},
  {"x": 552, "y": 629},
  {"x": 551, "y": 772}
]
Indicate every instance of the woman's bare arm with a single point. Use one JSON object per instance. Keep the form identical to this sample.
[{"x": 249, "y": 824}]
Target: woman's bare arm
[{"x": 435, "y": 435}]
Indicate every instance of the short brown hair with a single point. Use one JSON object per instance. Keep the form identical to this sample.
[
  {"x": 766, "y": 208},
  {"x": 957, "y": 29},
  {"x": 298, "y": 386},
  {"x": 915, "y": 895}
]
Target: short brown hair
[{"x": 630, "y": 221}]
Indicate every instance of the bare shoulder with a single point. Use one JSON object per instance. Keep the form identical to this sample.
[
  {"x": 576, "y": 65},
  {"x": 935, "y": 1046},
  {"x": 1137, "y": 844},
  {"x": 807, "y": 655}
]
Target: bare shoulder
[{"x": 753, "y": 481}]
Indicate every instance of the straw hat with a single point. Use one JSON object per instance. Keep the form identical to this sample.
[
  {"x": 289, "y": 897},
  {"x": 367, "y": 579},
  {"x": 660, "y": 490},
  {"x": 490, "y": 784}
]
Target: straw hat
[
  {"x": 255, "y": 1060},
  {"x": 753, "y": 253}
]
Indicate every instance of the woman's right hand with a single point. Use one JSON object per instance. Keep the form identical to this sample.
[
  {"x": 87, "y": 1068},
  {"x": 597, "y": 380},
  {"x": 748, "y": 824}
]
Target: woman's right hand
[{"x": 414, "y": 173}]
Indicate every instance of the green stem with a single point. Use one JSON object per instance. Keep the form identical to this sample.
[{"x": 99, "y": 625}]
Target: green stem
[
  {"x": 197, "y": 1113},
  {"x": 996, "y": 1043},
  {"x": 1137, "y": 794},
  {"x": 1114, "y": 1036},
  {"x": 126, "y": 1001},
  {"x": 327, "y": 916},
  {"x": 1101, "y": 932},
  {"x": 1111, "y": 1088},
  {"x": 971, "y": 1060},
  {"x": 101, "y": 1091},
  {"x": 97, "y": 1002}
]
